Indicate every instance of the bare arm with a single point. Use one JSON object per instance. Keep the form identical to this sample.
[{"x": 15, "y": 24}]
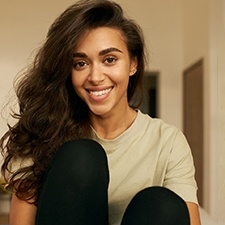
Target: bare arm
[
  {"x": 21, "y": 212},
  {"x": 194, "y": 213}
]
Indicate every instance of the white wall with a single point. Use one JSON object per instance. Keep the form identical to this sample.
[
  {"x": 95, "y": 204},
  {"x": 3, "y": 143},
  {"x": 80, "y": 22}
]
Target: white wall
[
  {"x": 204, "y": 37},
  {"x": 196, "y": 47},
  {"x": 217, "y": 60}
]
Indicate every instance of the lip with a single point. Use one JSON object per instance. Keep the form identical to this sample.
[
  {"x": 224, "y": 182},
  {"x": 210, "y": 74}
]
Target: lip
[{"x": 99, "y": 94}]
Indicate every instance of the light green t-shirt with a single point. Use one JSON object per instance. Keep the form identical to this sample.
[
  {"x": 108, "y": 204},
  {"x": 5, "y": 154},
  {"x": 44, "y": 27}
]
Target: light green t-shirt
[{"x": 149, "y": 153}]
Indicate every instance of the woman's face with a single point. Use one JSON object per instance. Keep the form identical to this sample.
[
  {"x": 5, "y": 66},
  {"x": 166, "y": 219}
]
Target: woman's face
[{"x": 101, "y": 70}]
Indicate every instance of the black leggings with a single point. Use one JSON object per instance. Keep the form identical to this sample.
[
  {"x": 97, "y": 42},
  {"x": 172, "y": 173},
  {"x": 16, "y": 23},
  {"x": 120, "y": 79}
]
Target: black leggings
[{"x": 74, "y": 192}]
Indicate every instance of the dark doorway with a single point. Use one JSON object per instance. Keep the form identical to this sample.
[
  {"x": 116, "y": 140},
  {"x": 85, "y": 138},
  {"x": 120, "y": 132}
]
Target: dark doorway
[
  {"x": 150, "y": 100},
  {"x": 193, "y": 118}
]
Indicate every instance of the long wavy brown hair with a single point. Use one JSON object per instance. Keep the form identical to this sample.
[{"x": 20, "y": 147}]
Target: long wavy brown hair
[{"x": 50, "y": 112}]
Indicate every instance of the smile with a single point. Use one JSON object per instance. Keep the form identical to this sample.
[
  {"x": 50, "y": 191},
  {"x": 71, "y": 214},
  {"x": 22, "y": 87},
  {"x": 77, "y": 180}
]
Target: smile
[{"x": 100, "y": 93}]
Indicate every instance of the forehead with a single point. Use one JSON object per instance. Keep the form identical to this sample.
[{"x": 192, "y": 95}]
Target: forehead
[{"x": 101, "y": 37}]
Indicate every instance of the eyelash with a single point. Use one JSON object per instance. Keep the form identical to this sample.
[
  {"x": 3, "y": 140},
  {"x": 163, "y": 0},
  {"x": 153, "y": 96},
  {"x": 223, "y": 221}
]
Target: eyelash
[
  {"x": 77, "y": 65},
  {"x": 110, "y": 60}
]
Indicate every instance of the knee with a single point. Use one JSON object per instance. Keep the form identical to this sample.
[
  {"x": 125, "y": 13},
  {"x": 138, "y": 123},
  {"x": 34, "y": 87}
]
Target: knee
[
  {"x": 85, "y": 150},
  {"x": 81, "y": 160},
  {"x": 160, "y": 204},
  {"x": 162, "y": 199}
]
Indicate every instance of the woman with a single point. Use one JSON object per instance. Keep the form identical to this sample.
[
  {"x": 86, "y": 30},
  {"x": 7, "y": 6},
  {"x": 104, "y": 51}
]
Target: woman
[{"x": 79, "y": 151}]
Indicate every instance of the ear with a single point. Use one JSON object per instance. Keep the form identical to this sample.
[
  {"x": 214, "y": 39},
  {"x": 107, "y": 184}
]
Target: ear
[{"x": 133, "y": 66}]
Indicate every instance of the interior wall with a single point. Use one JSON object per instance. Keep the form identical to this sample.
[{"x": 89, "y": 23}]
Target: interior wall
[
  {"x": 217, "y": 115},
  {"x": 204, "y": 35},
  {"x": 196, "y": 47}
]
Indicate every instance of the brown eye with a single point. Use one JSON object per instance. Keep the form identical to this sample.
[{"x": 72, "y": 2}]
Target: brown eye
[
  {"x": 110, "y": 60},
  {"x": 79, "y": 64}
]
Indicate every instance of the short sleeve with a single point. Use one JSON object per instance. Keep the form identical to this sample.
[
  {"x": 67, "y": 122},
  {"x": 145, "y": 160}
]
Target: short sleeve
[{"x": 180, "y": 172}]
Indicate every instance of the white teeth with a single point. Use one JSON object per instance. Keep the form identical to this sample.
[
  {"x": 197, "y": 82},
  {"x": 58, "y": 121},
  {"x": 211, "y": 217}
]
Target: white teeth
[{"x": 99, "y": 93}]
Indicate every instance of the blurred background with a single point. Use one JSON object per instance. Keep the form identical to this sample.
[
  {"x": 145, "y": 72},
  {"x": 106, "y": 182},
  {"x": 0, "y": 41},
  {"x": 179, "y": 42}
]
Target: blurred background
[{"x": 185, "y": 77}]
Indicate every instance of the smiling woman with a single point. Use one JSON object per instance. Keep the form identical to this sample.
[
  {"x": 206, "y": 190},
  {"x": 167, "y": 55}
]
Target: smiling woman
[{"x": 78, "y": 132}]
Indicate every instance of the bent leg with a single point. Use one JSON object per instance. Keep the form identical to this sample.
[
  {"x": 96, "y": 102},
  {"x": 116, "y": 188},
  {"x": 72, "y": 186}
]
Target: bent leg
[
  {"x": 75, "y": 188},
  {"x": 156, "y": 206}
]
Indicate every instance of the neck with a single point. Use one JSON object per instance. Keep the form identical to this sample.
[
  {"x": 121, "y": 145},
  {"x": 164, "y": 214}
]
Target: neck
[{"x": 111, "y": 126}]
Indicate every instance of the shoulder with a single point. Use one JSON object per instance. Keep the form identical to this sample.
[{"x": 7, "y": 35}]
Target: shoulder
[
  {"x": 156, "y": 132},
  {"x": 157, "y": 126}
]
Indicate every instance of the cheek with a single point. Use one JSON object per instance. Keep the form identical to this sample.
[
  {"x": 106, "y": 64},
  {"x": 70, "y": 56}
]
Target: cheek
[
  {"x": 122, "y": 77},
  {"x": 121, "y": 73}
]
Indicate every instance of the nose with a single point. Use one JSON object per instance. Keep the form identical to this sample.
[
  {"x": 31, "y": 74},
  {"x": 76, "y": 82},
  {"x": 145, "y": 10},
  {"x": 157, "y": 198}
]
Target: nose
[{"x": 96, "y": 75}]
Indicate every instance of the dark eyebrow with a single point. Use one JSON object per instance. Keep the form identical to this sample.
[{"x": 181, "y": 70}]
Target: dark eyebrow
[
  {"x": 108, "y": 50},
  {"x": 79, "y": 54},
  {"x": 103, "y": 52}
]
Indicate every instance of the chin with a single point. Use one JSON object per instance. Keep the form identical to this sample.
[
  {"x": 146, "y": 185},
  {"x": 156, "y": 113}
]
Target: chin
[{"x": 99, "y": 111}]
